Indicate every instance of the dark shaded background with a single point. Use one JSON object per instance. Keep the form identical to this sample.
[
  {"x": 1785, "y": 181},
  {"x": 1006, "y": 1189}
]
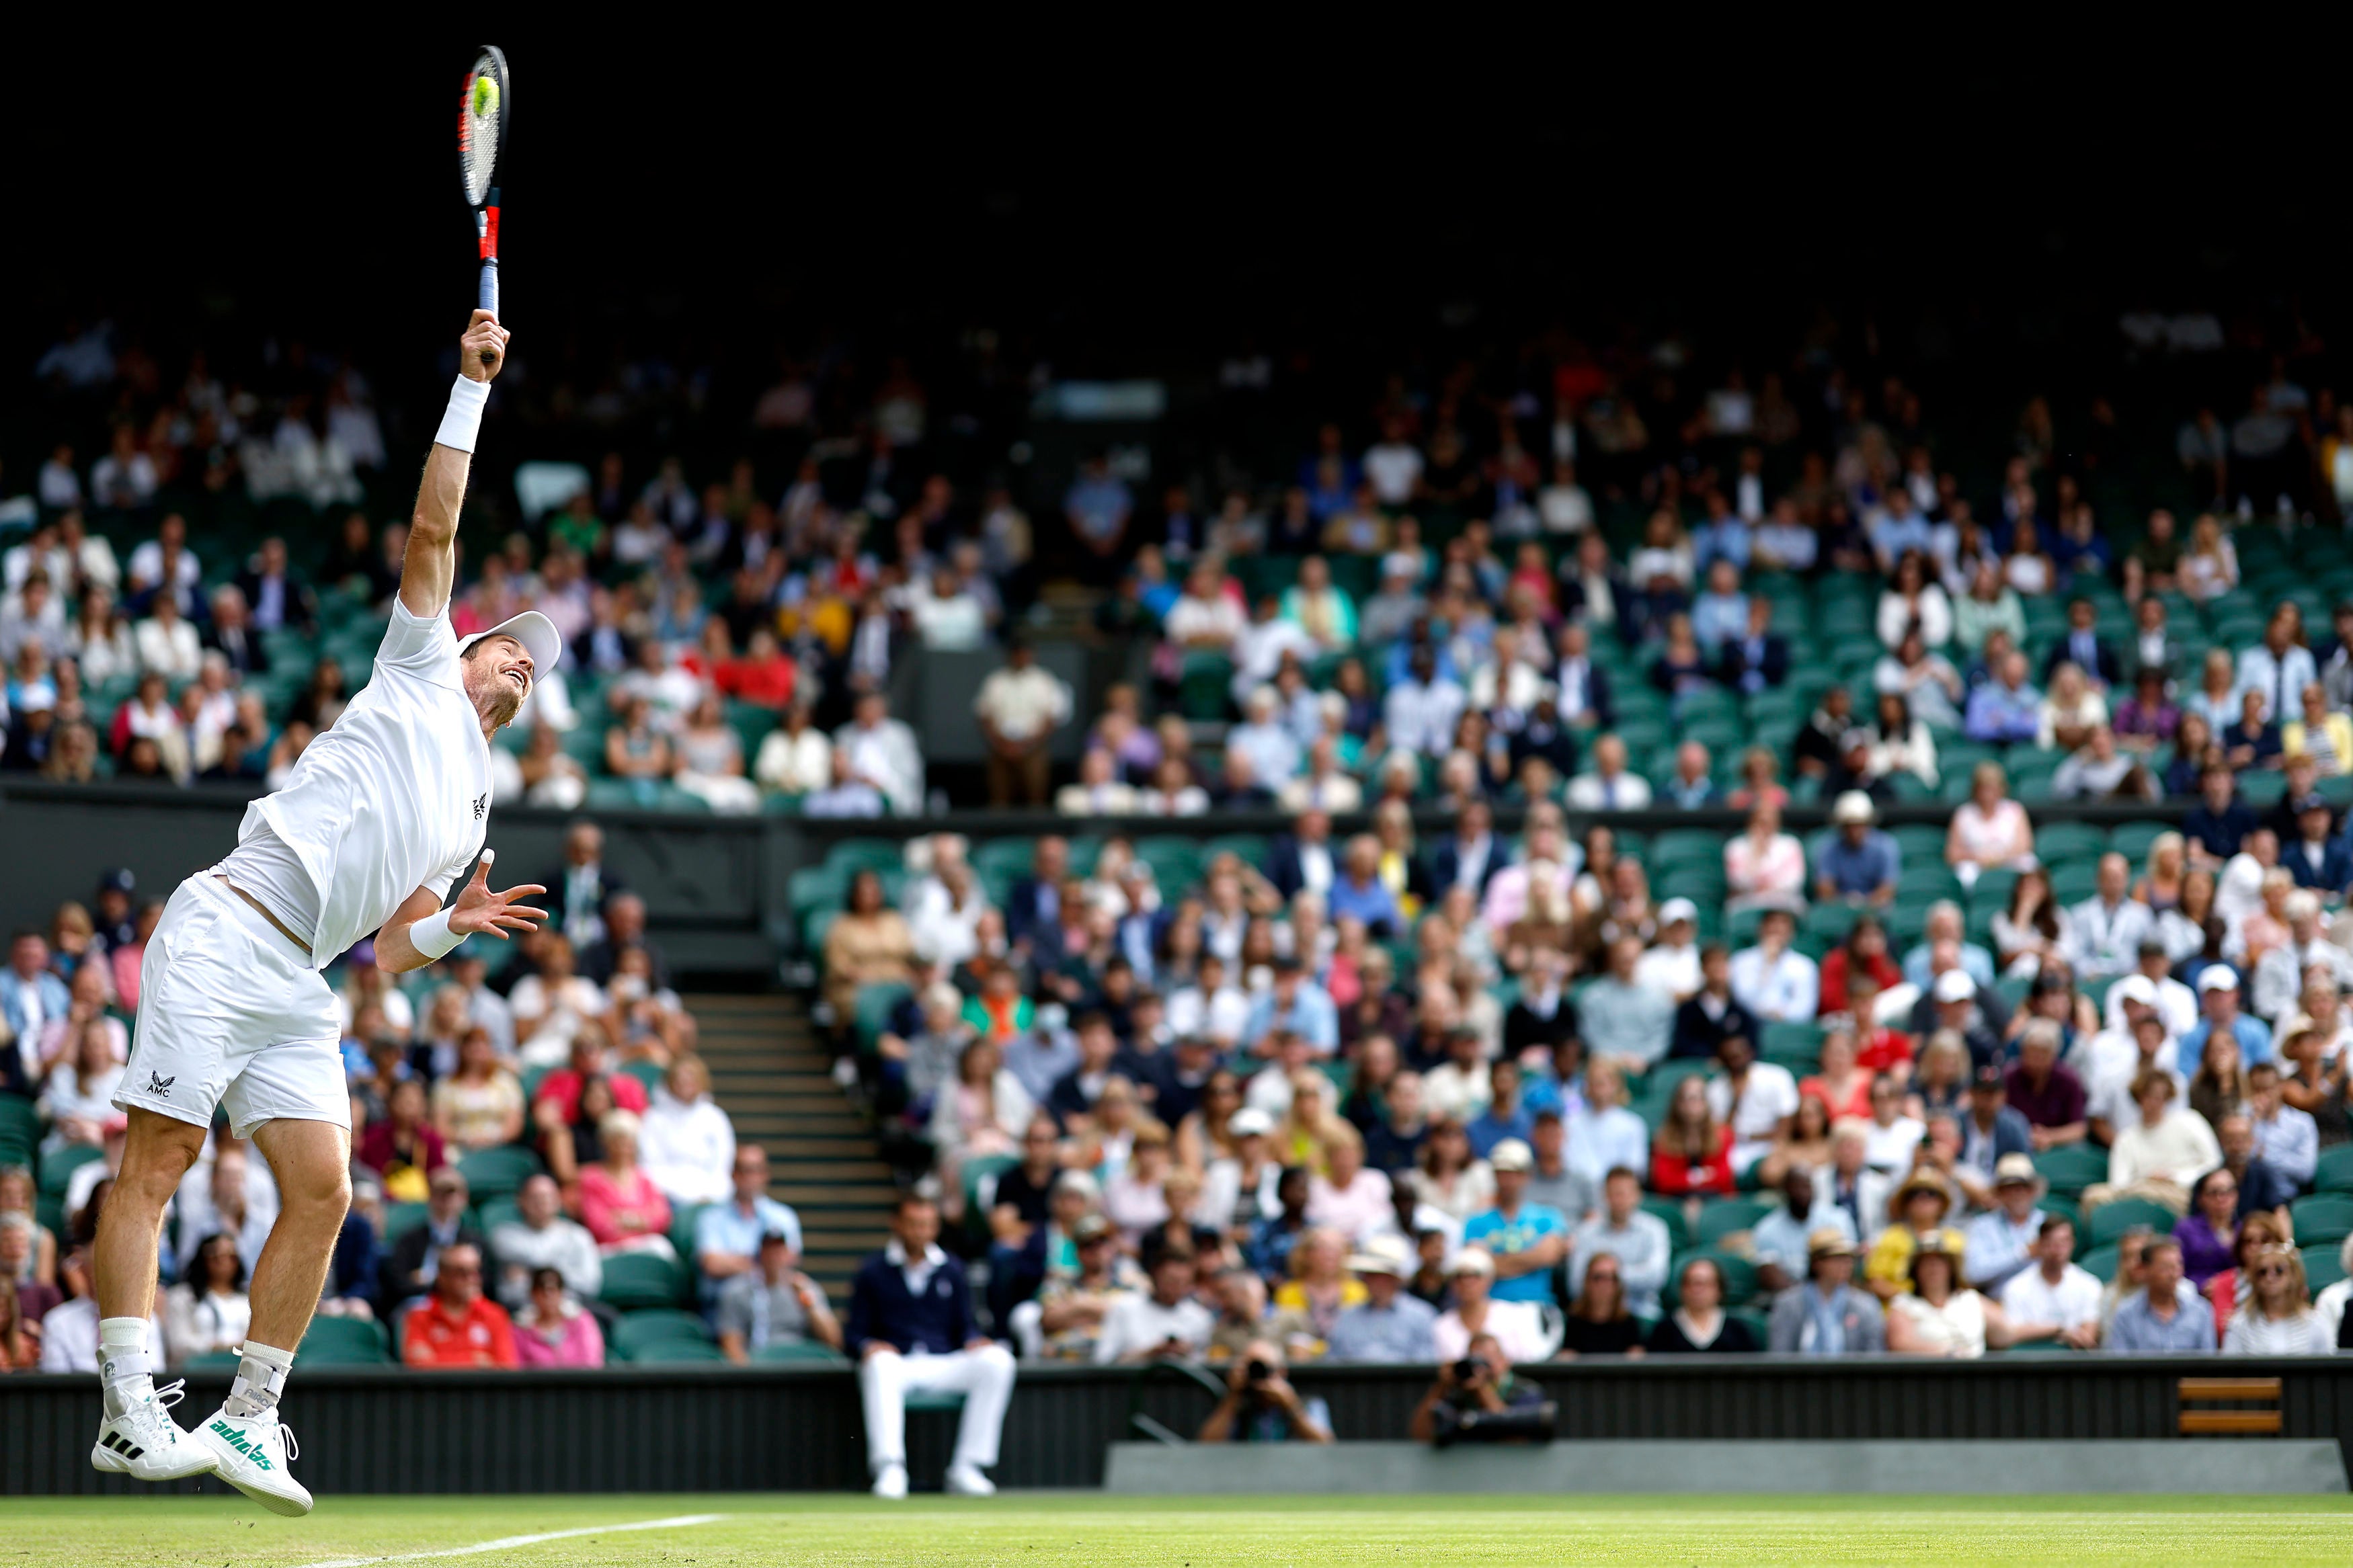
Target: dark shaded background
[{"x": 1124, "y": 206}]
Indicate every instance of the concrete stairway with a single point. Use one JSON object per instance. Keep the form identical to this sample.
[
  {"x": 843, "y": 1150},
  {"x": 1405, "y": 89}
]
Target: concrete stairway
[{"x": 768, "y": 1070}]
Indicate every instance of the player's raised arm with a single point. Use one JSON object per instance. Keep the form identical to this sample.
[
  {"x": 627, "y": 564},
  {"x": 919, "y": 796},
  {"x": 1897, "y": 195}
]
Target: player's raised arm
[
  {"x": 420, "y": 931},
  {"x": 431, "y": 567}
]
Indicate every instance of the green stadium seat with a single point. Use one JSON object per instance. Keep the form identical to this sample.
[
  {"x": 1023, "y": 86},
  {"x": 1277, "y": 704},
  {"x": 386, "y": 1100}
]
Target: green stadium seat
[
  {"x": 399, "y": 1219},
  {"x": 1726, "y": 1216},
  {"x": 807, "y": 1351},
  {"x": 1685, "y": 847},
  {"x": 345, "y": 1341},
  {"x": 1795, "y": 1045},
  {"x": 2132, "y": 839},
  {"x": 57, "y": 1166},
  {"x": 680, "y": 1352},
  {"x": 2323, "y": 1267},
  {"x": 2101, "y": 1262},
  {"x": 213, "y": 1361},
  {"x": 20, "y": 1128},
  {"x": 1670, "y": 1213},
  {"x": 639, "y": 1330},
  {"x": 683, "y": 1218},
  {"x": 937, "y": 1401},
  {"x": 637, "y": 1280},
  {"x": 648, "y": 1074},
  {"x": 2324, "y": 1217},
  {"x": 2072, "y": 883},
  {"x": 2335, "y": 1172},
  {"x": 870, "y": 855},
  {"x": 498, "y": 1172},
  {"x": 2117, "y": 1216},
  {"x": 2058, "y": 843},
  {"x": 499, "y": 1212},
  {"x": 876, "y": 1001},
  {"x": 2073, "y": 1167}
]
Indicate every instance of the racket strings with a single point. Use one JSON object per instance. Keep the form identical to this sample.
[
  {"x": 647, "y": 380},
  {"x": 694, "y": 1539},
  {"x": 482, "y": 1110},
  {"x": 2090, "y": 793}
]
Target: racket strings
[{"x": 479, "y": 116}]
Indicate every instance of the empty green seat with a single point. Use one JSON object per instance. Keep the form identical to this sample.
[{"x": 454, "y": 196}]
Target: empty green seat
[
  {"x": 680, "y": 1352},
  {"x": 57, "y": 1166},
  {"x": 637, "y": 1280},
  {"x": 1726, "y": 1216},
  {"x": 2322, "y": 1218},
  {"x": 499, "y": 1172},
  {"x": 805, "y": 1350},
  {"x": 2335, "y": 1173},
  {"x": 345, "y": 1341},
  {"x": 640, "y": 1330},
  {"x": 2073, "y": 1167},
  {"x": 2112, "y": 1219}
]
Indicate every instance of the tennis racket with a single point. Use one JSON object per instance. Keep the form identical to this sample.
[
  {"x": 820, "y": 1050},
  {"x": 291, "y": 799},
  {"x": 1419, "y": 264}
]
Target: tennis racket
[{"x": 481, "y": 142}]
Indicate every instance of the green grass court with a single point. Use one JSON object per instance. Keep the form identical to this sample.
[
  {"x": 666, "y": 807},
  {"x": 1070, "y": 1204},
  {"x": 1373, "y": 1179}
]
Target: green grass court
[{"x": 1069, "y": 1527}]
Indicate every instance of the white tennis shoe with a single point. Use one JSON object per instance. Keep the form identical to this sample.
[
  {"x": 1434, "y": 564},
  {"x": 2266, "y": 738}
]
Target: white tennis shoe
[
  {"x": 252, "y": 1452},
  {"x": 966, "y": 1480},
  {"x": 145, "y": 1443},
  {"x": 890, "y": 1483}
]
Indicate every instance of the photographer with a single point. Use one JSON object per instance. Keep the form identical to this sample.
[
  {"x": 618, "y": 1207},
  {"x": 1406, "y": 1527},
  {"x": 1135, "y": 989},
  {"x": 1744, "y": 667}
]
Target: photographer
[
  {"x": 1478, "y": 1385},
  {"x": 1260, "y": 1406}
]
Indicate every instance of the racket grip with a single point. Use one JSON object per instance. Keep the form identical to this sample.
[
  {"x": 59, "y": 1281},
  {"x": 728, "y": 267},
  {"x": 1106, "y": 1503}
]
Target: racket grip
[{"x": 488, "y": 296}]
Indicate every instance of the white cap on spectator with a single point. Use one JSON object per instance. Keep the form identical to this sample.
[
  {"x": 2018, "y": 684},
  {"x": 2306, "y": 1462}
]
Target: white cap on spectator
[
  {"x": 2218, "y": 977},
  {"x": 1249, "y": 1123},
  {"x": 2303, "y": 904},
  {"x": 1471, "y": 1260},
  {"x": 1676, "y": 910},
  {"x": 1852, "y": 806},
  {"x": 1511, "y": 1155},
  {"x": 1955, "y": 985},
  {"x": 2138, "y": 988}
]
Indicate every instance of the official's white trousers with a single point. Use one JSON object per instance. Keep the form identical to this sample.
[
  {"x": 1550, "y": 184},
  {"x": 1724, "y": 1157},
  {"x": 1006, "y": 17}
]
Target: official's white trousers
[{"x": 984, "y": 1378}]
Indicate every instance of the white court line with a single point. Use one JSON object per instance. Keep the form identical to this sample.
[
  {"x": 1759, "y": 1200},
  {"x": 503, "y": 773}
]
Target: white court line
[{"x": 508, "y": 1542}]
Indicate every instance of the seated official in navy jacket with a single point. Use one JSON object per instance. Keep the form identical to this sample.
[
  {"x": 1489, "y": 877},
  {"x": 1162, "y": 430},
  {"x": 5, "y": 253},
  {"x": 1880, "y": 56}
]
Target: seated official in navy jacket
[{"x": 912, "y": 1328}]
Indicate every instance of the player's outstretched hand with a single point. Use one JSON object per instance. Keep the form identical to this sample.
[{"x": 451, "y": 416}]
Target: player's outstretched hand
[
  {"x": 479, "y": 910},
  {"x": 483, "y": 349}
]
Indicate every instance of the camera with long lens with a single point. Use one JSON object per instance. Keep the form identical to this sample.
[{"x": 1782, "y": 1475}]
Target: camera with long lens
[{"x": 1258, "y": 1370}]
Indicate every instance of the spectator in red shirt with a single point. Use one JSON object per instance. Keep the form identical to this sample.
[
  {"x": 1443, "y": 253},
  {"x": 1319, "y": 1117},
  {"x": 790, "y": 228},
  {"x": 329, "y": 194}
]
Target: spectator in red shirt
[
  {"x": 458, "y": 1326},
  {"x": 765, "y": 676},
  {"x": 1877, "y": 1048},
  {"x": 1864, "y": 951},
  {"x": 561, "y": 1089},
  {"x": 1692, "y": 1155}
]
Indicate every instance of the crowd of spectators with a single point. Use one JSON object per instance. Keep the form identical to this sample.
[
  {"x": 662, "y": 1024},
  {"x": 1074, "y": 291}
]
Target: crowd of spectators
[
  {"x": 514, "y": 1134},
  {"x": 1627, "y": 582},
  {"x": 1473, "y": 1088}
]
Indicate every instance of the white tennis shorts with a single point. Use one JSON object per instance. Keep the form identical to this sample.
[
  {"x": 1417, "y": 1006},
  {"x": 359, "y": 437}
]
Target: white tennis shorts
[{"x": 230, "y": 1012}]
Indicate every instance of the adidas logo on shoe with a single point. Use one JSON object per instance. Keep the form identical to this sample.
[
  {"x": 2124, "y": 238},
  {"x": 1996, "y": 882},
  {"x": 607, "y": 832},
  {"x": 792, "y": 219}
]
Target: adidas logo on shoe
[{"x": 237, "y": 1440}]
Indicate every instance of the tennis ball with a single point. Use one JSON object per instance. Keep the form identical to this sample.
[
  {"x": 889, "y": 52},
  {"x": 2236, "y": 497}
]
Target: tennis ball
[{"x": 486, "y": 97}]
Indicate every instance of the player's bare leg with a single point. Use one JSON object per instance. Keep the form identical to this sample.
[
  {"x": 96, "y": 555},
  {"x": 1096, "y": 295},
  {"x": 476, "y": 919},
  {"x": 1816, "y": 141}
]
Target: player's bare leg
[
  {"x": 311, "y": 1160},
  {"x": 136, "y": 1436}
]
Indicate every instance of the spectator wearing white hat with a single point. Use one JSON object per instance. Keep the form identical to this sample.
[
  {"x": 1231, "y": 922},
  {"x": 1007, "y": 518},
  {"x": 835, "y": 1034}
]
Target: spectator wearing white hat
[
  {"x": 2174, "y": 1002},
  {"x": 1671, "y": 966},
  {"x": 1860, "y": 864},
  {"x": 1517, "y": 1326},
  {"x": 2050, "y": 1288},
  {"x": 1389, "y": 1325},
  {"x": 1526, "y": 1240},
  {"x": 2218, "y": 993}
]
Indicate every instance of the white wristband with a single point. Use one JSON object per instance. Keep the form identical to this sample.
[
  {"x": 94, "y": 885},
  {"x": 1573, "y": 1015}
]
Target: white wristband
[
  {"x": 432, "y": 936},
  {"x": 462, "y": 423}
]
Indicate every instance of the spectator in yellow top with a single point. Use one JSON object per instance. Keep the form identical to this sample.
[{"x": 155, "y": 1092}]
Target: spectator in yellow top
[{"x": 1916, "y": 1213}]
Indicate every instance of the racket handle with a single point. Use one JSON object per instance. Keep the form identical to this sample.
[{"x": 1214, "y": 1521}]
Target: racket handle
[{"x": 488, "y": 296}]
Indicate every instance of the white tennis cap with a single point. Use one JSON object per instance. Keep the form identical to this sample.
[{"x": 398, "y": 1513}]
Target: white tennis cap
[
  {"x": 1676, "y": 910},
  {"x": 535, "y": 632},
  {"x": 2218, "y": 977},
  {"x": 1955, "y": 985}
]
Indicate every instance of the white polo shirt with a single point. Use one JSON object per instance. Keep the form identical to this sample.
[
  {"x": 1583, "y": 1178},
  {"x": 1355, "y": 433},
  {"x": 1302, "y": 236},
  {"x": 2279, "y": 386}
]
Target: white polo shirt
[
  {"x": 2030, "y": 1299},
  {"x": 396, "y": 797}
]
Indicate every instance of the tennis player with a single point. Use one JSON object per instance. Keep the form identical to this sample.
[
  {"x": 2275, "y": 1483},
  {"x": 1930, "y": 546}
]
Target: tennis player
[{"x": 377, "y": 820}]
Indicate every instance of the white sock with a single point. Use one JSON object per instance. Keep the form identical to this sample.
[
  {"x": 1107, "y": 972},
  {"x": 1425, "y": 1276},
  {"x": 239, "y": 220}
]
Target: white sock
[
  {"x": 124, "y": 1368},
  {"x": 260, "y": 1379}
]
